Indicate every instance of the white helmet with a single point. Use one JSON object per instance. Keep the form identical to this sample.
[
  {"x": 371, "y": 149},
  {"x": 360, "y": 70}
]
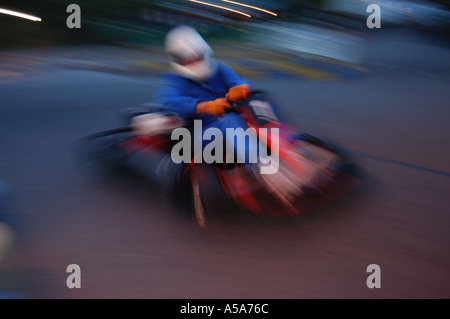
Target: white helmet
[{"x": 188, "y": 53}]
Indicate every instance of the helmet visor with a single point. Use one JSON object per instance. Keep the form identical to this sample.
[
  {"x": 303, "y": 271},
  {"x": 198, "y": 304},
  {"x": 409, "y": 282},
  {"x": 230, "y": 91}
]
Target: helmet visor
[{"x": 186, "y": 61}]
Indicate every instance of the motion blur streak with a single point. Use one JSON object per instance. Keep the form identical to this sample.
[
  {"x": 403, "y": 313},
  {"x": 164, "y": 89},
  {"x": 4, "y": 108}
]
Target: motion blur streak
[
  {"x": 20, "y": 15},
  {"x": 220, "y": 7},
  {"x": 251, "y": 7}
]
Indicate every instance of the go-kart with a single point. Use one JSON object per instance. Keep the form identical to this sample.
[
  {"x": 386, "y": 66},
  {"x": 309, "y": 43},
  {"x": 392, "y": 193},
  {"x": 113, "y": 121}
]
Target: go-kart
[{"x": 318, "y": 171}]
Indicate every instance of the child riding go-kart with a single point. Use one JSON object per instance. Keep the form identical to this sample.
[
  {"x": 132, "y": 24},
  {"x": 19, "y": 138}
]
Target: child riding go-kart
[{"x": 212, "y": 136}]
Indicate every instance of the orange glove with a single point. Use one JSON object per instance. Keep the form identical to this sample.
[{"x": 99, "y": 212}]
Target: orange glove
[
  {"x": 216, "y": 107},
  {"x": 237, "y": 93}
]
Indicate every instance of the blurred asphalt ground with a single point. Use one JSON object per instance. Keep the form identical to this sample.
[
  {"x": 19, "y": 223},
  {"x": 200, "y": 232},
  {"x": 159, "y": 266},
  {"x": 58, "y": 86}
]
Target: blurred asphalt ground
[{"x": 248, "y": 61}]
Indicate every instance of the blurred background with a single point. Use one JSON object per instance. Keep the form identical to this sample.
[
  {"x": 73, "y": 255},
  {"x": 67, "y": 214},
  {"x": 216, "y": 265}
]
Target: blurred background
[
  {"x": 381, "y": 93},
  {"x": 146, "y": 22}
]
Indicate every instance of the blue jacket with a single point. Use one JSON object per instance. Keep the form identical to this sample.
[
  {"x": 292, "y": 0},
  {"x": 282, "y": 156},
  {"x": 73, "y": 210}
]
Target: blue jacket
[{"x": 181, "y": 95}]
